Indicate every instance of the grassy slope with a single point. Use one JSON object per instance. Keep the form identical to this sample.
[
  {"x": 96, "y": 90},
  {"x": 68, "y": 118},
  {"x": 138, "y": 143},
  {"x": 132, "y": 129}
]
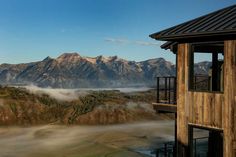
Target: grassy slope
[{"x": 19, "y": 107}]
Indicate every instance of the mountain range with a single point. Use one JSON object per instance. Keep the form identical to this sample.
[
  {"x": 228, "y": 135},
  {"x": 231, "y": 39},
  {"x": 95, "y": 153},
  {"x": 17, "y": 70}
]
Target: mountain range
[{"x": 70, "y": 70}]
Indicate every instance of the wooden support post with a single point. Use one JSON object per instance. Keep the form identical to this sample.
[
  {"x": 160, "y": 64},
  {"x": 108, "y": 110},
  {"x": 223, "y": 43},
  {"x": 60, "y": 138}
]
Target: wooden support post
[
  {"x": 182, "y": 104},
  {"x": 215, "y": 77},
  {"x": 229, "y": 98},
  {"x": 190, "y": 59}
]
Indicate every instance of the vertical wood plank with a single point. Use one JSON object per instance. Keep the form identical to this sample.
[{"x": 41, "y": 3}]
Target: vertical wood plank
[
  {"x": 182, "y": 107},
  {"x": 206, "y": 112},
  {"x": 191, "y": 101},
  {"x": 207, "y": 109},
  {"x": 229, "y": 97},
  {"x": 211, "y": 101}
]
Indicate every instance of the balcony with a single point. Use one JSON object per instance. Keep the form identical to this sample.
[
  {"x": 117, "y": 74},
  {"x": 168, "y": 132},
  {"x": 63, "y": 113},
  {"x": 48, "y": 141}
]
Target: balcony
[
  {"x": 166, "y": 94},
  {"x": 166, "y": 91}
]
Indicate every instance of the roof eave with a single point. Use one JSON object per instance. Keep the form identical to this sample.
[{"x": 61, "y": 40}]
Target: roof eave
[{"x": 229, "y": 34}]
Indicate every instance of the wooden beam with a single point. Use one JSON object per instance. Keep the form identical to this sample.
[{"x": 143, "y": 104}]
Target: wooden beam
[
  {"x": 206, "y": 127},
  {"x": 208, "y": 49},
  {"x": 170, "y": 108}
]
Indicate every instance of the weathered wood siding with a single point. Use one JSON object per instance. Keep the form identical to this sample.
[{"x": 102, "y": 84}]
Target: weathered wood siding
[
  {"x": 206, "y": 109},
  {"x": 212, "y": 110},
  {"x": 230, "y": 98}
]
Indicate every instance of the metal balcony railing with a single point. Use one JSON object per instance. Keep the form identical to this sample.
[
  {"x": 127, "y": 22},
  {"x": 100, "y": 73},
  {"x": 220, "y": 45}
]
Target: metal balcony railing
[
  {"x": 202, "y": 83},
  {"x": 166, "y": 90},
  {"x": 166, "y": 87},
  {"x": 166, "y": 150}
]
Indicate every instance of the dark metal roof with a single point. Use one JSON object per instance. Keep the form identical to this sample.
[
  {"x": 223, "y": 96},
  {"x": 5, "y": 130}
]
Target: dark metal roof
[
  {"x": 168, "y": 44},
  {"x": 219, "y": 24}
]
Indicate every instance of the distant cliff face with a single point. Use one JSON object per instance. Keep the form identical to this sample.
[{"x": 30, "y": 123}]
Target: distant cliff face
[{"x": 70, "y": 70}]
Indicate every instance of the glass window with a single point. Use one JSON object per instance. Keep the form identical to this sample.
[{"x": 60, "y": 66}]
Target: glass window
[{"x": 206, "y": 142}]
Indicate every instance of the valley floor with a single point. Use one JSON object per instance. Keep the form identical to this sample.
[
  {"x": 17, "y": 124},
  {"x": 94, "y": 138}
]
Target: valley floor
[{"x": 120, "y": 140}]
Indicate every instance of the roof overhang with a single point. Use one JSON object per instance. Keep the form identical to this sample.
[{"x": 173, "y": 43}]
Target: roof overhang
[
  {"x": 216, "y": 26},
  {"x": 196, "y": 37}
]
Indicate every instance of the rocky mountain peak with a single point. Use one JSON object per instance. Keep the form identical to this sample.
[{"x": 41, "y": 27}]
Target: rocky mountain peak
[
  {"x": 113, "y": 57},
  {"x": 47, "y": 58},
  {"x": 70, "y": 70},
  {"x": 102, "y": 59},
  {"x": 69, "y": 57},
  {"x": 161, "y": 59}
]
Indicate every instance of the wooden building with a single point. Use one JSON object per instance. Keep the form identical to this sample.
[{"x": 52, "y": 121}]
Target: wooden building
[{"x": 211, "y": 106}]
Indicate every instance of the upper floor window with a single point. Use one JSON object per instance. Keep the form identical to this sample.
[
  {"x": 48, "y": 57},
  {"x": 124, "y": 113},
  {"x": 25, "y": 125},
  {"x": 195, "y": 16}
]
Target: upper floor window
[{"x": 206, "y": 72}]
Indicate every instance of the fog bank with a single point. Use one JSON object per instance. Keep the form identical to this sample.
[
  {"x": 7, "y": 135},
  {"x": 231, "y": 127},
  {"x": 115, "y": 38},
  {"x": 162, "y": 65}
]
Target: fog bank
[
  {"x": 72, "y": 94},
  {"x": 60, "y": 141}
]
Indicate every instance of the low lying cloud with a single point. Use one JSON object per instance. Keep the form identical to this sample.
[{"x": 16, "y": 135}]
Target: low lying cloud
[
  {"x": 73, "y": 94},
  {"x": 59, "y": 94},
  {"x": 140, "y": 105},
  {"x": 126, "y": 41}
]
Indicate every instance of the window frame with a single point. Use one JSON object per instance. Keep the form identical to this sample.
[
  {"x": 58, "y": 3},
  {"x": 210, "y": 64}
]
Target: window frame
[{"x": 191, "y": 70}]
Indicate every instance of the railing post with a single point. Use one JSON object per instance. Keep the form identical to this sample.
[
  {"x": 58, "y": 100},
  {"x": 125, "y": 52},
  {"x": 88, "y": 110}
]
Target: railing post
[
  {"x": 158, "y": 89},
  {"x": 175, "y": 89},
  {"x": 176, "y": 140},
  {"x": 157, "y": 153},
  {"x": 165, "y": 149},
  {"x": 165, "y": 88},
  {"x": 169, "y": 88}
]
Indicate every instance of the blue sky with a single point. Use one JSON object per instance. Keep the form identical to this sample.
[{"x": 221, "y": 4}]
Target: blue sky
[{"x": 31, "y": 30}]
